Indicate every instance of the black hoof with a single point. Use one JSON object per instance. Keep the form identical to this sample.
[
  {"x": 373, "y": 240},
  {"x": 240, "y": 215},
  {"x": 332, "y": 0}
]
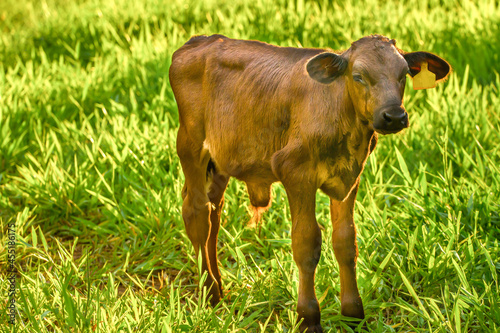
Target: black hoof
[{"x": 311, "y": 329}]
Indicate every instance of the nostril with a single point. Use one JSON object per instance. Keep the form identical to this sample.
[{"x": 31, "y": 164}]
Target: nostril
[
  {"x": 404, "y": 121},
  {"x": 387, "y": 118}
]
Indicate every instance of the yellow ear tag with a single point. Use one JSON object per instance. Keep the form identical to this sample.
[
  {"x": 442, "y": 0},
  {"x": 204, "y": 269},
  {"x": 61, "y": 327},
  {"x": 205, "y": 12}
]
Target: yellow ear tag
[{"x": 424, "y": 79}]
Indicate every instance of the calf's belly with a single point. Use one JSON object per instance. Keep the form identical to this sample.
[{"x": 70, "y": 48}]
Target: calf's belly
[{"x": 242, "y": 161}]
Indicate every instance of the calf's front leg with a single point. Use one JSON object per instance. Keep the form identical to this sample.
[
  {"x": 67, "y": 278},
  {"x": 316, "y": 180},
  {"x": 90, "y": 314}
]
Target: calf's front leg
[
  {"x": 306, "y": 247},
  {"x": 346, "y": 251}
]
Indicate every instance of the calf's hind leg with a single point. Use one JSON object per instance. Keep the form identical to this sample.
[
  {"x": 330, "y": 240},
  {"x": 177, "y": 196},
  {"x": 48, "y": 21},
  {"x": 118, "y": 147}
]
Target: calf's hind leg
[
  {"x": 197, "y": 208},
  {"x": 216, "y": 195}
]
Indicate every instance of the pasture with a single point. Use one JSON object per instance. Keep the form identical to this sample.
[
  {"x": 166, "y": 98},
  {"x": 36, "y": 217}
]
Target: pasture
[{"x": 90, "y": 181}]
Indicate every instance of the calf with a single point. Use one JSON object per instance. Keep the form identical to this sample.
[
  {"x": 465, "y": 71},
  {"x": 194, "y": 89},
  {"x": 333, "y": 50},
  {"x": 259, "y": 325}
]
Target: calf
[{"x": 308, "y": 118}]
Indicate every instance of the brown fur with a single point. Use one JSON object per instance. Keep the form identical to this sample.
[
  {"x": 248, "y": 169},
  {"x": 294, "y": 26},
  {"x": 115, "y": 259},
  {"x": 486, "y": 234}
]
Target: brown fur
[{"x": 305, "y": 117}]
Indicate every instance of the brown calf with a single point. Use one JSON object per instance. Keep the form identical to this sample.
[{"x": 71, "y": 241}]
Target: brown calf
[{"x": 308, "y": 118}]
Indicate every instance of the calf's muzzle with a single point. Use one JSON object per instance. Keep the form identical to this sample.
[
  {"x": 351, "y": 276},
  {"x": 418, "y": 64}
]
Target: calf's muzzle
[{"x": 391, "y": 120}]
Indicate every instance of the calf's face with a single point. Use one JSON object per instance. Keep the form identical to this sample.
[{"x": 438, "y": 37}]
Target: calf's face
[
  {"x": 374, "y": 73},
  {"x": 375, "y": 80}
]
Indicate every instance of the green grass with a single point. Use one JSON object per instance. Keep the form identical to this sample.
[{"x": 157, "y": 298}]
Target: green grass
[{"x": 89, "y": 173}]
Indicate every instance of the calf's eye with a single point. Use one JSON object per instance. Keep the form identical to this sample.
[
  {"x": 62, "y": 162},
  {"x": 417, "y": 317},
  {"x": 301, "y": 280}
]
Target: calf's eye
[{"x": 358, "y": 78}]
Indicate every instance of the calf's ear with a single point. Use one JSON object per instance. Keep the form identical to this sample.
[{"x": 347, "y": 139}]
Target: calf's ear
[
  {"x": 326, "y": 67},
  {"x": 436, "y": 65}
]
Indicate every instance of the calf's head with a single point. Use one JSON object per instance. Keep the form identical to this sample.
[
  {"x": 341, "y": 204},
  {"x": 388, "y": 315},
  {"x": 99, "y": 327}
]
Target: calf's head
[{"x": 374, "y": 72}]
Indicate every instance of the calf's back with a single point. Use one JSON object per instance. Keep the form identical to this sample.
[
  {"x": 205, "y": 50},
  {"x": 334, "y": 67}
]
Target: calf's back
[{"x": 245, "y": 100}]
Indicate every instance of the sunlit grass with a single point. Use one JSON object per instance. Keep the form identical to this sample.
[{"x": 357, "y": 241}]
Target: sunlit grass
[{"x": 89, "y": 173}]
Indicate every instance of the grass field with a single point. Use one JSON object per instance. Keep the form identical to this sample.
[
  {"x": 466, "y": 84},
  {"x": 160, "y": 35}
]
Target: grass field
[{"x": 90, "y": 177}]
